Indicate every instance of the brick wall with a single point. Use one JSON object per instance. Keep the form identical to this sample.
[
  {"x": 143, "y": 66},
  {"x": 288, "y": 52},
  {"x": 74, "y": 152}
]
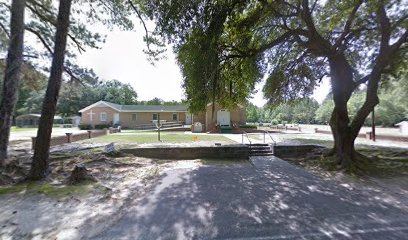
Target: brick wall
[
  {"x": 80, "y": 136},
  {"x": 69, "y": 137},
  {"x": 96, "y": 116},
  {"x": 237, "y": 115},
  {"x": 126, "y": 121}
]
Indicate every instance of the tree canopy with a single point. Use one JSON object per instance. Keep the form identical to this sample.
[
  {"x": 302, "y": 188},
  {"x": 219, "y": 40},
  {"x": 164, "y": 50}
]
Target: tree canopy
[
  {"x": 41, "y": 23},
  {"x": 225, "y": 47}
]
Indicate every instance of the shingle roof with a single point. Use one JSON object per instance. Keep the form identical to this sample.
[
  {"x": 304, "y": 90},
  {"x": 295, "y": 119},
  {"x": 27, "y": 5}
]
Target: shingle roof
[
  {"x": 165, "y": 108},
  {"x": 113, "y": 105},
  {"x": 141, "y": 108},
  {"x": 35, "y": 115}
]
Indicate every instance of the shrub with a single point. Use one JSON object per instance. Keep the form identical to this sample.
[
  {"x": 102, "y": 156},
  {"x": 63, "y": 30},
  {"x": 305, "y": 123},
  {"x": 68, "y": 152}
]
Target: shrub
[
  {"x": 85, "y": 126},
  {"x": 275, "y": 122},
  {"x": 248, "y": 126},
  {"x": 102, "y": 126}
]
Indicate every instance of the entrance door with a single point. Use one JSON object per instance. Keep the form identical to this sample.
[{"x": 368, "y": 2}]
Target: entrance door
[
  {"x": 116, "y": 118},
  {"x": 188, "y": 118},
  {"x": 223, "y": 118}
]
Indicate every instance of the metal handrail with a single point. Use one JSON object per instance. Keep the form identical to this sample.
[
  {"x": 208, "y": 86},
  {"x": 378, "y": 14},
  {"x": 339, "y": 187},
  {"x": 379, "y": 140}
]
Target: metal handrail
[
  {"x": 264, "y": 140},
  {"x": 246, "y": 134},
  {"x": 274, "y": 142}
]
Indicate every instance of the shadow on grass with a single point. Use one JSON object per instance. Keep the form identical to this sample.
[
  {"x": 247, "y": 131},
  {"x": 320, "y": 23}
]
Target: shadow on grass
[{"x": 381, "y": 162}]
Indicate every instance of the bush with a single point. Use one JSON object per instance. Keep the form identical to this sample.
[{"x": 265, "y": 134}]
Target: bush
[
  {"x": 248, "y": 126},
  {"x": 102, "y": 126},
  {"x": 67, "y": 121},
  {"x": 275, "y": 122},
  {"x": 85, "y": 126}
]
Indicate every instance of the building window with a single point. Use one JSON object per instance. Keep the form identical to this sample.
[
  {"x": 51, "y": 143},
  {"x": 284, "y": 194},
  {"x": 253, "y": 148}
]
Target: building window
[
  {"x": 134, "y": 117},
  {"x": 104, "y": 116},
  {"x": 154, "y": 116},
  {"x": 175, "y": 116}
]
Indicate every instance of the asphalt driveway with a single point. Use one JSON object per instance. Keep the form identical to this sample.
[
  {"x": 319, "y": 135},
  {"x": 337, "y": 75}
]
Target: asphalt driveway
[{"x": 266, "y": 199}]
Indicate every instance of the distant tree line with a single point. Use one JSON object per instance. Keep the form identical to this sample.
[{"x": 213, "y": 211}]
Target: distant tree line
[
  {"x": 300, "y": 111},
  {"x": 74, "y": 95},
  {"x": 392, "y": 108}
]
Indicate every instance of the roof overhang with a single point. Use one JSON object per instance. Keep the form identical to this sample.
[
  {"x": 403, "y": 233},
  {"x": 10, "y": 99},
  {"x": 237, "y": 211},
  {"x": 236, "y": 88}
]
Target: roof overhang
[
  {"x": 153, "y": 111},
  {"x": 98, "y": 104},
  {"x": 239, "y": 105}
]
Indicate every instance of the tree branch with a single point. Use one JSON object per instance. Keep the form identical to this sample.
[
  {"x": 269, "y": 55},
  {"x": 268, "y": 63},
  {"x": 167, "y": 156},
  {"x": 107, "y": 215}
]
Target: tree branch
[
  {"x": 361, "y": 81},
  {"x": 51, "y": 19},
  {"x": 143, "y": 22},
  {"x": 40, "y": 37},
  {"x": 272, "y": 43},
  {"x": 348, "y": 24},
  {"x": 403, "y": 39},
  {"x": 78, "y": 44},
  {"x": 385, "y": 27},
  {"x": 254, "y": 52},
  {"x": 45, "y": 44},
  {"x": 5, "y": 30},
  {"x": 316, "y": 42}
]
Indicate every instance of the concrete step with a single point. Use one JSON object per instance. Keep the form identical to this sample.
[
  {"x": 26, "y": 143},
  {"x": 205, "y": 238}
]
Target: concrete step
[
  {"x": 259, "y": 147},
  {"x": 265, "y": 152},
  {"x": 261, "y": 150},
  {"x": 258, "y": 144},
  {"x": 261, "y": 154}
]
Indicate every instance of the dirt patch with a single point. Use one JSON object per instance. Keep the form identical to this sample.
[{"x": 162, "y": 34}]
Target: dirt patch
[{"x": 52, "y": 209}]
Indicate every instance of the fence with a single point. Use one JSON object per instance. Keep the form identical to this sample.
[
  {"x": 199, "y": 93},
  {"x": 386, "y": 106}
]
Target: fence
[
  {"x": 277, "y": 127},
  {"x": 70, "y": 137}
]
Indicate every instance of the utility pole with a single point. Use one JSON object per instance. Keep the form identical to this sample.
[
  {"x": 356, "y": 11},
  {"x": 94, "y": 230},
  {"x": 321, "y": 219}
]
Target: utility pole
[
  {"x": 373, "y": 125},
  {"x": 158, "y": 125}
]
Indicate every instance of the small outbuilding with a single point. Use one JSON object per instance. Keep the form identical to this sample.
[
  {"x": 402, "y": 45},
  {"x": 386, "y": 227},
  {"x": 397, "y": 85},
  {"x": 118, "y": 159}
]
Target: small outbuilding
[
  {"x": 33, "y": 119},
  {"x": 403, "y": 126}
]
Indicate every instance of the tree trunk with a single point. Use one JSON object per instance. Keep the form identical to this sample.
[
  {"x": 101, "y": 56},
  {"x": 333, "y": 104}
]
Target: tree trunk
[
  {"x": 343, "y": 139},
  {"x": 12, "y": 75},
  {"x": 40, "y": 163},
  {"x": 342, "y": 86}
]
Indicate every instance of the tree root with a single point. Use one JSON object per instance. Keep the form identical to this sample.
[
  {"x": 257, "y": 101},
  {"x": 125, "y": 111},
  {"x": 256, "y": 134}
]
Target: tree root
[
  {"x": 330, "y": 153},
  {"x": 79, "y": 175}
]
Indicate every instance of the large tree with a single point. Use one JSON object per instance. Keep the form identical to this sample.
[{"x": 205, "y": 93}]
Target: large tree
[
  {"x": 42, "y": 23},
  {"x": 40, "y": 163},
  {"x": 224, "y": 47},
  {"x": 12, "y": 74}
]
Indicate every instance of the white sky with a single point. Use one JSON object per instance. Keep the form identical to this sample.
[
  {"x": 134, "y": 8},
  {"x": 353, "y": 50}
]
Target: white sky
[{"x": 122, "y": 58}]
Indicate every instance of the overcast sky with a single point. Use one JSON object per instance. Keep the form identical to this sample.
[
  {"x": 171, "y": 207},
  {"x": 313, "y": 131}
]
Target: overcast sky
[{"x": 122, "y": 58}]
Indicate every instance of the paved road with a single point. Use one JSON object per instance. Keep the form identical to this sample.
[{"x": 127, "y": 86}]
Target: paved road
[{"x": 268, "y": 199}]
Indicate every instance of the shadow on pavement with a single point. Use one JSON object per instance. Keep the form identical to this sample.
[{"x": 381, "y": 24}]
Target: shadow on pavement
[{"x": 270, "y": 199}]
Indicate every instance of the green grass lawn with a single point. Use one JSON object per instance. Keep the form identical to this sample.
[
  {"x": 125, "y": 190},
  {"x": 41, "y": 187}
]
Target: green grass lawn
[
  {"x": 151, "y": 137},
  {"x": 326, "y": 143},
  {"x": 255, "y": 136},
  {"x": 18, "y": 129},
  {"x": 385, "y": 161}
]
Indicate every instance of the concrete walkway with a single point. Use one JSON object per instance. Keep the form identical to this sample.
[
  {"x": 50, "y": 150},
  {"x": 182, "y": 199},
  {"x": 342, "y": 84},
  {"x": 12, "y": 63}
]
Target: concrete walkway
[
  {"x": 250, "y": 138},
  {"x": 266, "y": 198}
]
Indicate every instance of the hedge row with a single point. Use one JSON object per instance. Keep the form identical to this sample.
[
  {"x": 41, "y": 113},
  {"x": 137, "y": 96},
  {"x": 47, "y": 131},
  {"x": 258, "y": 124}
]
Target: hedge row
[{"x": 90, "y": 127}]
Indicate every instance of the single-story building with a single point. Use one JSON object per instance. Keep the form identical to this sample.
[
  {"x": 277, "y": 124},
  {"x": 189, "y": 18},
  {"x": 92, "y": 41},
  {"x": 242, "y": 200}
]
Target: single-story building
[
  {"x": 75, "y": 120},
  {"x": 221, "y": 117},
  {"x": 403, "y": 126},
  {"x": 33, "y": 119},
  {"x": 131, "y": 116}
]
